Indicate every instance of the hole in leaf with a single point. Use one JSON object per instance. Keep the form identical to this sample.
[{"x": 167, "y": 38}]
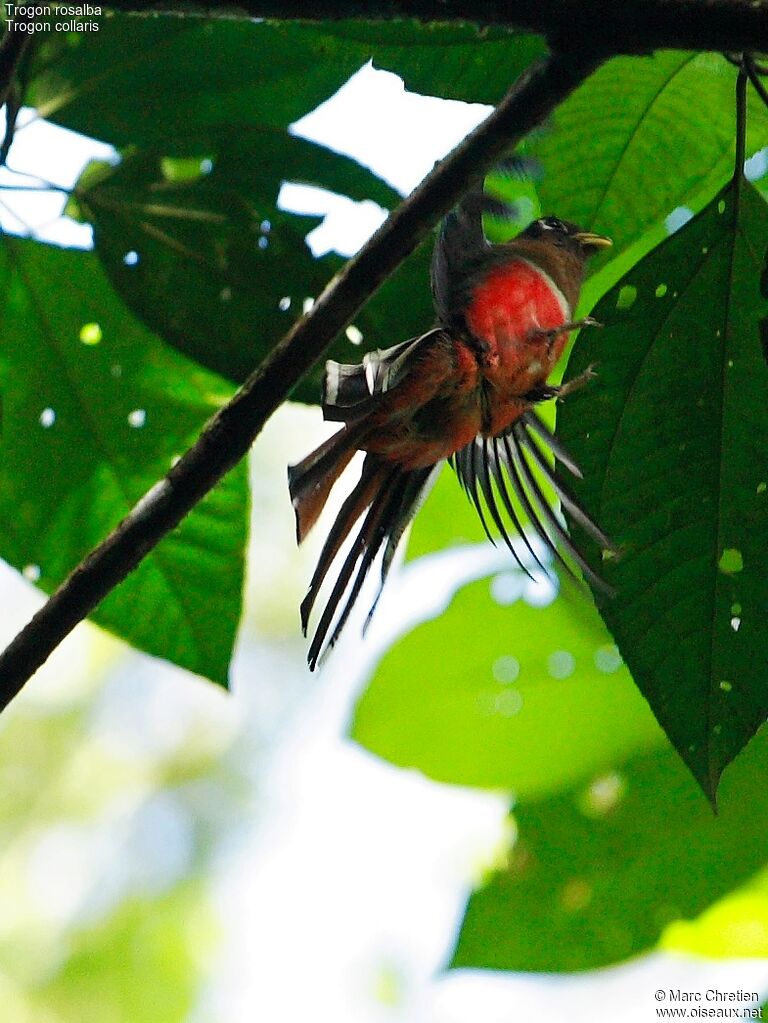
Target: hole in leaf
[
  {"x": 284, "y": 304},
  {"x": 137, "y": 418},
  {"x": 731, "y": 561},
  {"x": 354, "y": 334},
  {"x": 263, "y": 242},
  {"x": 726, "y": 686},
  {"x": 735, "y": 623},
  {"x": 90, "y": 333},
  {"x": 627, "y": 296},
  {"x": 735, "y": 609},
  {"x": 677, "y": 218},
  {"x": 762, "y": 487},
  {"x": 602, "y": 795},
  {"x": 31, "y": 572},
  {"x": 661, "y": 291},
  {"x": 47, "y": 418},
  {"x": 721, "y": 207},
  {"x": 756, "y": 166},
  {"x": 131, "y": 258},
  {"x": 185, "y": 168},
  {"x": 576, "y": 895}
]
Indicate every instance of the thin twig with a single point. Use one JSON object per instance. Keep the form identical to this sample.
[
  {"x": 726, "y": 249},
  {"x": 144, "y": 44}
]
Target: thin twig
[
  {"x": 754, "y": 71},
  {"x": 40, "y": 189},
  {"x": 229, "y": 435}
]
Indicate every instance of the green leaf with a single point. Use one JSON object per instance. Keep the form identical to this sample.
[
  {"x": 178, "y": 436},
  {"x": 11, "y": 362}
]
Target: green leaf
[
  {"x": 200, "y": 252},
  {"x": 672, "y": 440},
  {"x": 146, "y": 943},
  {"x": 639, "y": 138},
  {"x": 94, "y": 411},
  {"x": 505, "y": 696},
  {"x": 462, "y": 62},
  {"x": 148, "y": 81},
  {"x": 186, "y": 208},
  {"x": 597, "y": 872}
]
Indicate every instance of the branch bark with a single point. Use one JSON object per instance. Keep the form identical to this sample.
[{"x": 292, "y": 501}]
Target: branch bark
[
  {"x": 611, "y": 26},
  {"x": 229, "y": 434},
  {"x": 12, "y": 48}
]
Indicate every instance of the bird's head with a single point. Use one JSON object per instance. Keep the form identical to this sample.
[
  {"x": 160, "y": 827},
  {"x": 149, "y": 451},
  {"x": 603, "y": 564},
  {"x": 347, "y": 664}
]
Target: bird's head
[{"x": 565, "y": 235}]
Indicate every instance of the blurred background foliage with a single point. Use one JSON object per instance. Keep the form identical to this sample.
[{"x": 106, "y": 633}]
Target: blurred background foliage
[{"x": 115, "y": 817}]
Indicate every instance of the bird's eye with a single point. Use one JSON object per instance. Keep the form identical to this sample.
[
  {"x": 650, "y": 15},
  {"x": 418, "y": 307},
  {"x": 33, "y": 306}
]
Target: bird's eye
[{"x": 553, "y": 224}]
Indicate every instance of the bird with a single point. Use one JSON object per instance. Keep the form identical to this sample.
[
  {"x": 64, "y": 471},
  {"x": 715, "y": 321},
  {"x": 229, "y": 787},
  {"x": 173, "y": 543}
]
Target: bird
[{"x": 463, "y": 392}]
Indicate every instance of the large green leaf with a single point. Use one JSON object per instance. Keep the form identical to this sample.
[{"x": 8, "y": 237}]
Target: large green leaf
[
  {"x": 639, "y": 138},
  {"x": 187, "y": 225},
  {"x": 94, "y": 411},
  {"x": 146, "y": 80},
  {"x": 460, "y": 62},
  {"x": 150, "y": 80},
  {"x": 597, "y": 872},
  {"x": 672, "y": 441},
  {"x": 199, "y": 250},
  {"x": 505, "y": 696}
]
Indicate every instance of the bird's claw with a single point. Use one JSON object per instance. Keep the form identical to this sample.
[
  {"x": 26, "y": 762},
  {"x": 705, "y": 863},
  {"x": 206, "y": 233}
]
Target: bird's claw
[
  {"x": 577, "y": 383},
  {"x": 565, "y": 328}
]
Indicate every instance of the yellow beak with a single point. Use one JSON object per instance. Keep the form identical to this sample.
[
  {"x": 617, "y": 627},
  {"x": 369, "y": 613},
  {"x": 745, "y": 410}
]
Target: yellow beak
[{"x": 593, "y": 241}]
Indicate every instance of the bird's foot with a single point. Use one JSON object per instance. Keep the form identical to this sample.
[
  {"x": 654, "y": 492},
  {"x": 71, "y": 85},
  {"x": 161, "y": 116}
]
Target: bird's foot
[
  {"x": 576, "y": 384},
  {"x": 551, "y": 335},
  {"x": 544, "y": 392}
]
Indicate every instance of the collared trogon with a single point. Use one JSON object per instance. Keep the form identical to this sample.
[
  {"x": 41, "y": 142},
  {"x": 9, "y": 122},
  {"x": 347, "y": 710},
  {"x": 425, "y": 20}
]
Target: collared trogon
[{"x": 464, "y": 391}]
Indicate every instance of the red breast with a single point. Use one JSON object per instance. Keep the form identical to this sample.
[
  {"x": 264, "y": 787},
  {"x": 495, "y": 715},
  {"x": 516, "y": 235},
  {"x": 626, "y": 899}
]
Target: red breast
[{"x": 512, "y": 303}]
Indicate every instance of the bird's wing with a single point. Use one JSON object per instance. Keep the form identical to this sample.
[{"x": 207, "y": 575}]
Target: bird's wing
[
  {"x": 461, "y": 242},
  {"x": 489, "y": 466},
  {"x": 351, "y": 392}
]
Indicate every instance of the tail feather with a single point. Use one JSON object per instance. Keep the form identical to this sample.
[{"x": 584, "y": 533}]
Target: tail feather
[
  {"x": 311, "y": 480},
  {"x": 524, "y": 478},
  {"x": 392, "y": 497},
  {"x": 515, "y": 457},
  {"x": 364, "y": 548},
  {"x": 566, "y": 497},
  {"x": 383, "y": 510},
  {"x": 496, "y": 466},
  {"x": 418, "y": 484},
  {"x": 361, "y": 497}
]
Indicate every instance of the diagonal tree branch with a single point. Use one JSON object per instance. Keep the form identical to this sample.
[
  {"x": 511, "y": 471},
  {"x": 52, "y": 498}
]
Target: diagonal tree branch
[
  {"x": 229, "y": 434},
  {"x": 616, "y": 26},
  {"x": 14, "y": 44},
  {"x": 16, "y": 41}
]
